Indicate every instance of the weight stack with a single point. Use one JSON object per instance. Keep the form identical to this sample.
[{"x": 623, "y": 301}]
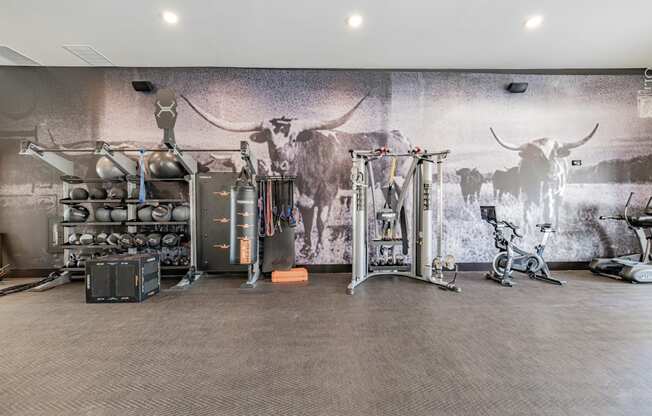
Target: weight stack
[{"x": 244, "y": 225}]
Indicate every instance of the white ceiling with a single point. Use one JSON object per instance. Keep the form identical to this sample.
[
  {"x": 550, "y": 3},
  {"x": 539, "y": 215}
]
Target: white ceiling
[{"x": 472, "y": 34}]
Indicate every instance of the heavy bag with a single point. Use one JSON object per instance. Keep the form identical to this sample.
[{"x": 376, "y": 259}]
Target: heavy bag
[{"x": 244, "y": 225}]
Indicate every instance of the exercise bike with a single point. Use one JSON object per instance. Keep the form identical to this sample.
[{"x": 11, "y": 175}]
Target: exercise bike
[
  {"x": 513, "y": 258},
  {"x": 636, "y": 267}
]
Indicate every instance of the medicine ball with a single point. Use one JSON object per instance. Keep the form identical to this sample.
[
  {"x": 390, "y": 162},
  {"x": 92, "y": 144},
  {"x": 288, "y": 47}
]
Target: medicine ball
[
  {"x": 78, "y": 193},
  {"x": 140, "y": 240},
  {"x": 76, "y": 213},
  {"x": 154, "y": 240},
  {"x": 119, "y": 214},
  {"x": 170, "y": 240},
  {"x": 87, "y": 239},
  {"x": 106, "y": 169},
  {"x": 113, "y": 239},
  {"x": 127, "y": 240},
  {"x": 98, "y": 193},
  {"x": 117, "y": 193},
  {"x": 181, "y": 213},
  {"x": 101, "y": 238},
  {"x": 164, "y": 165},
  {"x": 161, "y": 213},
  {"x": 145, "y": 213},
  {"x": 73, "y": 238},
  {"x": 103, "y": 214}
]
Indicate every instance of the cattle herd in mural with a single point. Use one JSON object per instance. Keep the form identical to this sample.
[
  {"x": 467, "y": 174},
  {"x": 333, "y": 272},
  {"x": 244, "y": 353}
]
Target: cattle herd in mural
[{"x": 530, "y": 179}]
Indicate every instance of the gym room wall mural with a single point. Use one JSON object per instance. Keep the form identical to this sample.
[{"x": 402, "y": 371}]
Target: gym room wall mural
[{"x": 567, "y": 151}]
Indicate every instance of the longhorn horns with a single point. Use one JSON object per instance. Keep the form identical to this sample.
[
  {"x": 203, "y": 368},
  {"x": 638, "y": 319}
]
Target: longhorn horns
[
  {"x": 244, "y": 127},
  {"x": 566, "y": 146},
  {"x": 238, "y": 127}
]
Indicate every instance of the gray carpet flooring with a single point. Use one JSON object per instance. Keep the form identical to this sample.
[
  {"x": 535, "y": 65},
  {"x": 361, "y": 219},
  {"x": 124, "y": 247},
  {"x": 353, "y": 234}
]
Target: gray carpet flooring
[{"x": 397, "y": 347}]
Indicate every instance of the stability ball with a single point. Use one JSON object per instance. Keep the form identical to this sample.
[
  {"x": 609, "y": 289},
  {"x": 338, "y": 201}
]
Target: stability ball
[
  {"x": 107, "y": 170},
  {"x": 164, "y": 165}
]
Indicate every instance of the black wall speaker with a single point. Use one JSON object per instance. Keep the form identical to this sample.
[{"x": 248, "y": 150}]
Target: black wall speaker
[
  {"x": 143, "y": 86},
  {"x": 517, "y": 87}
]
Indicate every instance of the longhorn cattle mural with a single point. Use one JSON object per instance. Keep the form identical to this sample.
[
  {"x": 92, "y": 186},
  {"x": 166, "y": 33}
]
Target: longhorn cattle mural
[
  {"x": 543, "y": 172},
  {"x": 300, "y": 148},
  {"x": 304, "y": 122}
]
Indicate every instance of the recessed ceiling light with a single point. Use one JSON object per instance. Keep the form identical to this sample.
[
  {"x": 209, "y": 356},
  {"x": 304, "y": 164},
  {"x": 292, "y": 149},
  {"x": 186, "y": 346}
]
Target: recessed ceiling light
[
  {"x": 170, "y": 17},
  {"x": 354, "y": 21},
  {"x": 533, "y": 22}
]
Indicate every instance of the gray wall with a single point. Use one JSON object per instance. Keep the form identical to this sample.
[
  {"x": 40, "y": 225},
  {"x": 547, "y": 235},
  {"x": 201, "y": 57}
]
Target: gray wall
[{"x": 435, "y": 110}]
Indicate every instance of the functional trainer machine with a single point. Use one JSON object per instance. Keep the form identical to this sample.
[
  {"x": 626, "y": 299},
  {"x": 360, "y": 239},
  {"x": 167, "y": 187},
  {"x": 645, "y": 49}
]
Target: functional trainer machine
[
  {"x": 393, "y": 250},
  {"x": 513, "y": 258},
  {"x": 636, "y": 267},
  {"x": 165, "y": 113}
]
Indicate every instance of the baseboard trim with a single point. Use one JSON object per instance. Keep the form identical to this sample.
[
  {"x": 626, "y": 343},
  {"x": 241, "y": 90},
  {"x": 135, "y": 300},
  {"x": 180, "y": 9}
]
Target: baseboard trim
[{"x": 342, "y": 268}]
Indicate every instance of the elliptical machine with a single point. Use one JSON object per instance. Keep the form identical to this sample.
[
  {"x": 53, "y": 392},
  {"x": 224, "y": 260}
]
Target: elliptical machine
[
  {"x": 636, "y": 267},
  {"x": 511, "y": 257}
]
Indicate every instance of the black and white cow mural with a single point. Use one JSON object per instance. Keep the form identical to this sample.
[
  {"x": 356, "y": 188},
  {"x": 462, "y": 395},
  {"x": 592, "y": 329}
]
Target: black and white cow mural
[{"x": 303, "y": 122}]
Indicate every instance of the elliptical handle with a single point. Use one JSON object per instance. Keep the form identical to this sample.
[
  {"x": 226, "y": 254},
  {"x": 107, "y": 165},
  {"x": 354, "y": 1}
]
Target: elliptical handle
[{"x": 631, "y": 194}]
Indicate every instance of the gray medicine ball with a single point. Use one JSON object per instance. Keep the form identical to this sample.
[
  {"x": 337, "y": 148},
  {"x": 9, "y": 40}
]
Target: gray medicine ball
[
  {"x": 78, "y": 193},
  {"x": 162, "y": 213},
  {"x": 145, "y": 213},
  {"x": 76, "y": 213},
  {"x": 119, "y": 214},
  {"x": 103, "y": 214},
  {"x": 98, "y": 193},
  {"x": 181, "y": 213}
]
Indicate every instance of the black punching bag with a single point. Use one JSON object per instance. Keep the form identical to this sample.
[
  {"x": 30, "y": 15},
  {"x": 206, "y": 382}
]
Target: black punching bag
[{"x": 244, "y": 225}]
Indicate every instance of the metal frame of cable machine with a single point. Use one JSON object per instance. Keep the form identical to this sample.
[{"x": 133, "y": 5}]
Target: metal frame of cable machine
[
  {"x": 165, "y": 106},
  {"x": 422, "y": 266}
]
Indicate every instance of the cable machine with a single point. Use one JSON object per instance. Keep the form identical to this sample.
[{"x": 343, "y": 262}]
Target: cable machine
[
  {"x": 393, "y": 250},
  {"x": 165, "y": 114}
]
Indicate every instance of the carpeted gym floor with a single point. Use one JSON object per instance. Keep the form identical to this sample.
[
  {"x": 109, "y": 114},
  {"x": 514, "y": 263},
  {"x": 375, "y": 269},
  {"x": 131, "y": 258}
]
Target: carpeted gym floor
[{"x": 397, "y": 347}]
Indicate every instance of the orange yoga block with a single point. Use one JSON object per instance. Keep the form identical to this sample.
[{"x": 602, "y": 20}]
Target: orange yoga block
[{"x": 298, "y": 274}]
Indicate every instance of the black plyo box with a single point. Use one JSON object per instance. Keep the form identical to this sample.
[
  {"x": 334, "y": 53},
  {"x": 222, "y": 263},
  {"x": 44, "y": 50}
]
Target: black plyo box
[{"x": 122, "y": 278}]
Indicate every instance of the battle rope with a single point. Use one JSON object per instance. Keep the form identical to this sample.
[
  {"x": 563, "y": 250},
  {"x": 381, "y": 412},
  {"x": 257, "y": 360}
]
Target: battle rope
[{"x": 269, "y": 215}]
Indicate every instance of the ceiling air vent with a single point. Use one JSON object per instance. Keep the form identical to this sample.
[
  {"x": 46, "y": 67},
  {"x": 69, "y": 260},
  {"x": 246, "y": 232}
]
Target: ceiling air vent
[
  {"x": 13, "y": 57},
  {"x": 88, "y": 54}
]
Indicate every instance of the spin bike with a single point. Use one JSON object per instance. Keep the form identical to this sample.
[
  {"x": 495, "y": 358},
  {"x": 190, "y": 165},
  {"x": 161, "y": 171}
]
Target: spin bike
[{"x": 513, "y": 258}]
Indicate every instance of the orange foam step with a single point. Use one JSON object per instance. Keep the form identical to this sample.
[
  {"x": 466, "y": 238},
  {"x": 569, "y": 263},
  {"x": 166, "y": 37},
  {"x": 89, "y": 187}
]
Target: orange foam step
[{"x": 297, "y": 274}]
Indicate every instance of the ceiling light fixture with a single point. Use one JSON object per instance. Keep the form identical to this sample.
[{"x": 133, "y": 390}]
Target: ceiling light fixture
[
  {"x": 170, "y": 18},
  {"x": 533, "y": 22},
  {"x": 354, "y": 21}
]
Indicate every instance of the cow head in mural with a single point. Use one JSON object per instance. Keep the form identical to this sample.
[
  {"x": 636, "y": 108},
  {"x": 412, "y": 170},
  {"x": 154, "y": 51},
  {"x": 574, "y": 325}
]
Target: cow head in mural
[
  {"x": 285, "y": 137},
  {"x": 317, "y": 154},
  {"x": 543, "y": 171}
]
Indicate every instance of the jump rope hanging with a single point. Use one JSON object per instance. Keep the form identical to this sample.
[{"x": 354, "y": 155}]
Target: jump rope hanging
[{"x": 276, "y": 204}]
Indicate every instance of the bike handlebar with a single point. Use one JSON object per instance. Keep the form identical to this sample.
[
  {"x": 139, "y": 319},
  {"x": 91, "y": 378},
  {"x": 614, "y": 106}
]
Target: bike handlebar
[{"x": 612, "y": 217}]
